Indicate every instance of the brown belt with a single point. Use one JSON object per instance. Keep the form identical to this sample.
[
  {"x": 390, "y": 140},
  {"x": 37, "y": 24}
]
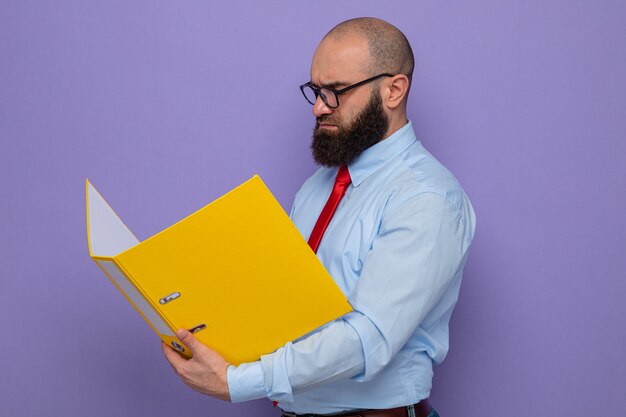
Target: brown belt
[{"x": 421, "y": 409}]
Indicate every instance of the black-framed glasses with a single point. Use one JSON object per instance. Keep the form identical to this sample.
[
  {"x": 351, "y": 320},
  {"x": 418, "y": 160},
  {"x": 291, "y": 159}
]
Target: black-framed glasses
[{"x": 330, "y": 96}]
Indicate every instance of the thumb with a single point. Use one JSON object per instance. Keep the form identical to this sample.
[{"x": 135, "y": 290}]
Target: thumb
[{"x": 188, "y": 340}]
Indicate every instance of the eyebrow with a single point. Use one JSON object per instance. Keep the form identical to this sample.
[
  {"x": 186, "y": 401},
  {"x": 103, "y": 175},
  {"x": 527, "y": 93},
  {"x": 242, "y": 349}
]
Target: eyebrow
[{"x": 334, "y": 85}]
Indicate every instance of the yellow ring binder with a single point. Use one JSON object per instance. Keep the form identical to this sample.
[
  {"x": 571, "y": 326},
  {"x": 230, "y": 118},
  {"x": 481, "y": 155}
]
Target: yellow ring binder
[{"x": 230, "y": 266}]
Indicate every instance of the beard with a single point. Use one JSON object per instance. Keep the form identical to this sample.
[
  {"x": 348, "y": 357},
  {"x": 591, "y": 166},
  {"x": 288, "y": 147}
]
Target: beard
[{"x": 342, "y": 146}]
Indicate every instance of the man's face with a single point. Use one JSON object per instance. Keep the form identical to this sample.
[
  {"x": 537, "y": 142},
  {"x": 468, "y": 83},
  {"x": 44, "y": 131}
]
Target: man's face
[
  {"x": 351, "y": 137},
  {"x": 341, "y": 134}
]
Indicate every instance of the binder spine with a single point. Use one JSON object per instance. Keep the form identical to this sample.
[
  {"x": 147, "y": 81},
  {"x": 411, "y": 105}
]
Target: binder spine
[{"x": 141, "y": 302}]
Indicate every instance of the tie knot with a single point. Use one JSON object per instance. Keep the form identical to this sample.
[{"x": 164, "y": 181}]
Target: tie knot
[{"x": 343, "y": 176}]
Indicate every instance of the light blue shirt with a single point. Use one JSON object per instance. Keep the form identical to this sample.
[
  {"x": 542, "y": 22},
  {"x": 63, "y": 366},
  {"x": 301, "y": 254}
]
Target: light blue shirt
[{"x": 396, "y": 246}]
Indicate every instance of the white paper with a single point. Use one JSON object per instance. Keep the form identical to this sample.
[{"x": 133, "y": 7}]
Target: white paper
[{"x": 108, "y": 235}]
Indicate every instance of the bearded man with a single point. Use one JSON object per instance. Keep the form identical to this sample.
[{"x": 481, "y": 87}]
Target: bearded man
[{"x": 394, "y": 235}]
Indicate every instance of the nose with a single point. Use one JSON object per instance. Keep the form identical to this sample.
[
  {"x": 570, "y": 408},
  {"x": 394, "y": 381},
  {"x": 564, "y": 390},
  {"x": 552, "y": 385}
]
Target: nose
[{"x": 320, "y": 108}]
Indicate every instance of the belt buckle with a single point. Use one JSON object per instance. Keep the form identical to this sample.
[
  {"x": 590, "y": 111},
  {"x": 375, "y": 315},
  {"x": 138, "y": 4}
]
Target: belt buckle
[{"x": 410, "y": 410}]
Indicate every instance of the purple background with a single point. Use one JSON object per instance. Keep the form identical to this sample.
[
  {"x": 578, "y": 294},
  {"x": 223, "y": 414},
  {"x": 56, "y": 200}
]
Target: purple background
[{"x": 166, "y": 105}]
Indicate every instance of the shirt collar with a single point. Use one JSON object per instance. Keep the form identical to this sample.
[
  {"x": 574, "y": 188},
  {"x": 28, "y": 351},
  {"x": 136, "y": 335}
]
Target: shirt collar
[{"x": 379, "y": 154}]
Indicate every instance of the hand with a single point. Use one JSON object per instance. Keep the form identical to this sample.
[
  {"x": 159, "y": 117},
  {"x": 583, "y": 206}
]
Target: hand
[{"x": 205, "y": 372}]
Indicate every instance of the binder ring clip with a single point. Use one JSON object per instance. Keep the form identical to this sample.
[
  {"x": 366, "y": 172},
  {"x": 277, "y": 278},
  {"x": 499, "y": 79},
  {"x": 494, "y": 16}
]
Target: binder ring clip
[{"x": 177, "y": 346}]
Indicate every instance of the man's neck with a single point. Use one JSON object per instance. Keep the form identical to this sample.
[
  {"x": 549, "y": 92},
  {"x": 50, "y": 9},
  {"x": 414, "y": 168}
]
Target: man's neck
[{"x": 395, "y": 124}]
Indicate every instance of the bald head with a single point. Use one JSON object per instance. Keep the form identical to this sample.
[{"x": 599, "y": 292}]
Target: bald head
[
  {"x": 372, "y": 62},
  {"x": 389, "y": 49}
]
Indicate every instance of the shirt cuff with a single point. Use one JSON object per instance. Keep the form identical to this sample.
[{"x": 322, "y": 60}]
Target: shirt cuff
[{"x": 245, "y": 382}]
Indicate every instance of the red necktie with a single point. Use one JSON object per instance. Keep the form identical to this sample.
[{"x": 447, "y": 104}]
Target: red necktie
[{"x": 339, "y": 189}]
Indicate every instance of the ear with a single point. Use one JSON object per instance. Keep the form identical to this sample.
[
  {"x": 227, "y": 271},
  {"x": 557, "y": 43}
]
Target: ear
[{"x": 396, "y": 89}]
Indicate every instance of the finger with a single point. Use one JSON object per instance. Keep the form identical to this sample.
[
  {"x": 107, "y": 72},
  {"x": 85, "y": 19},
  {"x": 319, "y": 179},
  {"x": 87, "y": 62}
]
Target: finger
[
  {"x": 172, "y": 356},
  {"x": 188, "y": 340}
]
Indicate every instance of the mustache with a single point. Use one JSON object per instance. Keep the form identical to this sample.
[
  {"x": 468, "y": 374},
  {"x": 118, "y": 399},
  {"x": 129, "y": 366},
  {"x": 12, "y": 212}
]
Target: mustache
[{"x": 325, "y": 118}]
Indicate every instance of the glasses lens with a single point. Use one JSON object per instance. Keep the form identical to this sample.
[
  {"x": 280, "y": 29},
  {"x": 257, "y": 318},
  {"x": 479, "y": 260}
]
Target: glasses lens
[
  {"x": 309, "y": 93},
  {"x": 329, "y": 97}
]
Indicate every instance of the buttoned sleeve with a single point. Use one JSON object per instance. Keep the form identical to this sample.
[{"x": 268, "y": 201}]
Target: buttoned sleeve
[{"x": 416, "y": 255}]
